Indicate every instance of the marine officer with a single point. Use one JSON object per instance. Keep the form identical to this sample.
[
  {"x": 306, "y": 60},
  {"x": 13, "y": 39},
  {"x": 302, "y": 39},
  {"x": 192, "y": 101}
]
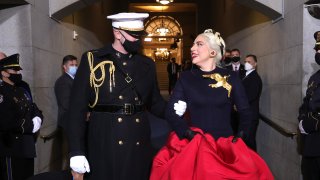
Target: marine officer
[{"x": 119, "y": 85}]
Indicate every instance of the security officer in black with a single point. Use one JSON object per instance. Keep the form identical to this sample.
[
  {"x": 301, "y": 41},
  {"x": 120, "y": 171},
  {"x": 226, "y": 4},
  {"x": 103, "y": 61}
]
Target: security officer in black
[
  {"x": 309, "y": 125},
  {"x": 119, "y": 85},
  {"x": 20, "y": 120}
]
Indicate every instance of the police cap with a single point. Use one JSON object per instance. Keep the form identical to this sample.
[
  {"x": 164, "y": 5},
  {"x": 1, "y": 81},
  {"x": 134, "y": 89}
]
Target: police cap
[
  {"x": 10, "y": 62},
  {"x": 132, "y": 23}
]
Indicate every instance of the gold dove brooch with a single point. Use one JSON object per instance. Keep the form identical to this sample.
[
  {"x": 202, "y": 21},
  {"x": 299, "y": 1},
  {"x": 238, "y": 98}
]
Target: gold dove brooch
[{"x": 221, "y": 81}]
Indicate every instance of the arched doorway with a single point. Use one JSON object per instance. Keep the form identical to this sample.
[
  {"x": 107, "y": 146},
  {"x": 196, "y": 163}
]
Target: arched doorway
[{"x": 164, "y": 41}]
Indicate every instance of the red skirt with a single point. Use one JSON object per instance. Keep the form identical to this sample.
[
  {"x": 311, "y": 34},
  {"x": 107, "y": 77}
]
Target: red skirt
[{"x": 203, "y": 158}]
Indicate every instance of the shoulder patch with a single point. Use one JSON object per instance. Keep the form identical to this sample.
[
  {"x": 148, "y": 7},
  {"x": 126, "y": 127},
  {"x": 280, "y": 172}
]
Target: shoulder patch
[{"x": 1, "y": 98}]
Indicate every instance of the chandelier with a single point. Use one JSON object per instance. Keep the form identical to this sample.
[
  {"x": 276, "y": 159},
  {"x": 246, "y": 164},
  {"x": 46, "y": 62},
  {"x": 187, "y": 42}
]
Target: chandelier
[
  {"x": 162, "y": 30},
  {"x": 164, "y": 2},
  {"x": 162, "y": 54}
]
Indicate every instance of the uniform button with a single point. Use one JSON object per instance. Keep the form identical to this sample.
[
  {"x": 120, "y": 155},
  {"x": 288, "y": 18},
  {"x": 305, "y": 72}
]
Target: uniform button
[
  {"x": 120, "y": 142},
  {"x": 124, "y": 63},
  {"x": 119, "y": 119},
  {"x": 120, "y": 97},
  {"x": 137, "y": 120},
  {"x": 17, "y": 137},
  {"x": 137, "y": 143},
  {"x": 136, "y": 98}
]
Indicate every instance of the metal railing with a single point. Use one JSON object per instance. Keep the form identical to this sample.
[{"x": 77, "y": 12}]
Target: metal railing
[{"x": 277, "y": 127}]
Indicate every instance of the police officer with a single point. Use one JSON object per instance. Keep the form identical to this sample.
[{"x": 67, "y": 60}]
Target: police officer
[
  {"x": 20, "y": 120},
  {"x": 119, "y": 85},
  {"x": 309, "y": 125}
]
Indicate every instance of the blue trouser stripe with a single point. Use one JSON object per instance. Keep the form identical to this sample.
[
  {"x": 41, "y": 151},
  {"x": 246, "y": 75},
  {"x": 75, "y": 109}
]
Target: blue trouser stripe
[{"x": 9, "y": 169}]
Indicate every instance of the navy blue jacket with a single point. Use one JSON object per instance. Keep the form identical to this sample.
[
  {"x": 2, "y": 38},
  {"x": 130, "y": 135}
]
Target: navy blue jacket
[{"x": 209, "y": 108}]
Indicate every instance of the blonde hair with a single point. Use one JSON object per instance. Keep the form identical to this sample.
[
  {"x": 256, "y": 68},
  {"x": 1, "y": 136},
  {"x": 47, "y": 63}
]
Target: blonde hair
[{"x": 215, "y": 42}]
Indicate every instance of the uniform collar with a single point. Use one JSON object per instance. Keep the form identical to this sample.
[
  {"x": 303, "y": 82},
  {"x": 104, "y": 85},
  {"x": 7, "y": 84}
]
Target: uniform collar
[{"x": 107, "y": 50}]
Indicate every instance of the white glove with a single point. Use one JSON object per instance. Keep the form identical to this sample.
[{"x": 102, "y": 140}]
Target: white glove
[
  {"x": 36, "y": 124},
  {"x": 79, "y": 164},
  {"x": 301, "y": 128},
  {"x": 180, "y": 107}
]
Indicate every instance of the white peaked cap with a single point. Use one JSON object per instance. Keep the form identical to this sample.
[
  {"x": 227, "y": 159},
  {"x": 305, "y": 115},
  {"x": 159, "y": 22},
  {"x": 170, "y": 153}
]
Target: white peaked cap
[{"x": 128, "y": 21}]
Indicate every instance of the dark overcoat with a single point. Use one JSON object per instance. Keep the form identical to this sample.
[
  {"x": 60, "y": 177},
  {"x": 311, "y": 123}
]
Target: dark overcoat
[
  {"x": 118, "y": 145},
  {"x": 16, "y": 110}
]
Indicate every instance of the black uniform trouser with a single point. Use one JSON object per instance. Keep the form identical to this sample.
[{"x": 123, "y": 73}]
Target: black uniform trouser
[
  {"x": 310, "y": 167},
  {"x": 16, "y": 168}
]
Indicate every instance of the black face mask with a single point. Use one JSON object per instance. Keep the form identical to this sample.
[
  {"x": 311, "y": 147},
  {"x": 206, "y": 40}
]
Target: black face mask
[
  {"x": 236, "y": 59},
  {"x": 15, "y": 78},
  {"x": 132, "y": 46},
  {"x": 227, "y": 60},
  {"x": 317, "y": 58}
]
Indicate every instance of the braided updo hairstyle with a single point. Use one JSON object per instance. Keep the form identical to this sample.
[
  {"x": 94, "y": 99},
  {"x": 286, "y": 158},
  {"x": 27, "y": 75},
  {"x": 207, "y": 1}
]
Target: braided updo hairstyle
[{"x": 215, "y": 42}]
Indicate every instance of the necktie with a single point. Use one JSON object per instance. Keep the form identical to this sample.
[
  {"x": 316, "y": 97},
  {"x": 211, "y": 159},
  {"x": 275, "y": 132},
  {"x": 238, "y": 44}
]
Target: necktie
[{"x": 235, "y": 68}]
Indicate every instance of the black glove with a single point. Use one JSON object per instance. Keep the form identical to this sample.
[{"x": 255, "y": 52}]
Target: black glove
[{"x": 189, "y": 134}]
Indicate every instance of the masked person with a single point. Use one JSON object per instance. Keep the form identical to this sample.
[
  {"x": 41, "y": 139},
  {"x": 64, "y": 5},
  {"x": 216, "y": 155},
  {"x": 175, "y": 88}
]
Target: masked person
[
  {"x": 309, "y": 125},
  {"x": 236, "y": 65},
  {"x": 62, "y": 90},
  {"x": 20, "y": 120},
  {"x": 119, "y": 85},
  {"x": 21, "y": 83},
  {"x": 252, "y": 84}
]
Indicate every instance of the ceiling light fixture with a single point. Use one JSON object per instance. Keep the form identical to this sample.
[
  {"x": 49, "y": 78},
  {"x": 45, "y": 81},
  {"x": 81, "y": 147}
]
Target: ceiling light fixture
[{"x": 164, "y": 2}]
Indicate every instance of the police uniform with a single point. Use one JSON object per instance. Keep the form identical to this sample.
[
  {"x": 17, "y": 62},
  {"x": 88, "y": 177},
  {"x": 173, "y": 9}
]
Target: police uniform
[
  {"x": 119, "y": 89},
  {"x": 17, "y": 143},
  {"x": 210, "y": 97},
  {"x": 309, "y": 117}
]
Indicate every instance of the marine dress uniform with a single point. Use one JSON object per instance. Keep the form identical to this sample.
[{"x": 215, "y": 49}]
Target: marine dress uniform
[
  {"x": 210, "y": 97},
  {"x": 17, "y": 142},
  {"x": 119, "y": 89}
]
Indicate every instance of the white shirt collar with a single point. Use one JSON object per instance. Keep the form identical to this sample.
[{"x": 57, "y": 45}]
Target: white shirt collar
[
  {"x": 248, "y": 72},
  {"x": 70, "y": 75}
]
